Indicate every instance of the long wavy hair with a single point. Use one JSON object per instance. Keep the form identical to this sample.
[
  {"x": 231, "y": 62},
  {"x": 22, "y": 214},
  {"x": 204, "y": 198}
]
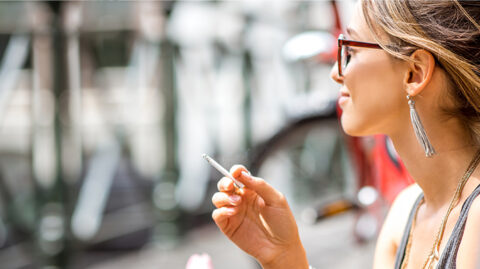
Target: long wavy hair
[{"x": 450, "y": 30}]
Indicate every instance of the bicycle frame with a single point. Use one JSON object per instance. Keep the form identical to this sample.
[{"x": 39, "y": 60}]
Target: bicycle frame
[{"x": 374, "y": 159}]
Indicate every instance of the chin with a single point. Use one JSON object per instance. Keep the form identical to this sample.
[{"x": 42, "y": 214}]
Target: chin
[
  {"x": 352, "y": 132},
  {"x": 354, "y": 128}
]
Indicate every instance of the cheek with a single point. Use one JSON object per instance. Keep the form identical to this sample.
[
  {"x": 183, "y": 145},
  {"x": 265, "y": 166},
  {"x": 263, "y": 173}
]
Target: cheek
[{"x": 376, "y": 98}]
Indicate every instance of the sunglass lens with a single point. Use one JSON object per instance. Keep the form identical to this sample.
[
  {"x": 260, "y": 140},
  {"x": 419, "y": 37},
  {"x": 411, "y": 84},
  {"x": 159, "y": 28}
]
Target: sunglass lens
[{"x": 345, "y": 57}]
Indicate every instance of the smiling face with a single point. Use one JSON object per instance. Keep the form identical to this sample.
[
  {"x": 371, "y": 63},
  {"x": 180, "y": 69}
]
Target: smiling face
[{"x": 372, "y": 93}]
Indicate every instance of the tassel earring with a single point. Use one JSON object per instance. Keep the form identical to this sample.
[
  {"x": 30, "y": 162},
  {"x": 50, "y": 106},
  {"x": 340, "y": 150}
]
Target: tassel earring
[{"x": 419, "y": 130}]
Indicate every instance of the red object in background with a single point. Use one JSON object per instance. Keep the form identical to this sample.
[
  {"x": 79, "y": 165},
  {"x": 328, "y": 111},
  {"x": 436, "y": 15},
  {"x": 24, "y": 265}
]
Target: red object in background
[
  {"x": 390, "y": 174},
  {"x": 378, "y": 164}
]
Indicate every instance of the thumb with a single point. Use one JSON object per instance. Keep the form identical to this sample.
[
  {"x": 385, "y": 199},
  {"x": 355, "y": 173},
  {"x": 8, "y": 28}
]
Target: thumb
[{"x": 268, "y": 193}]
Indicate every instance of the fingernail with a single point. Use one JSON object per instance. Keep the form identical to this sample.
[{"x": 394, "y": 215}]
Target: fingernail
[
  {"x": 223, "y": 188},
  {"x": 246, "y": 174},
  {"x": 235, "y": 198}
]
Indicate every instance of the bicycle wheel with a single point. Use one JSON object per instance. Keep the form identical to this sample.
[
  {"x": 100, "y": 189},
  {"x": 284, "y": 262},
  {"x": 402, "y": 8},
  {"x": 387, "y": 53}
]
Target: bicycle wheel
[{"x": 308, "y": 162}]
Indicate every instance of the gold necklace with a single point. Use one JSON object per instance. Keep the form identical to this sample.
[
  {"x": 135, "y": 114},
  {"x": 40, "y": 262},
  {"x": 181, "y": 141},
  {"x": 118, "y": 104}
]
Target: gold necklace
[{"x": 434, "y": 255}]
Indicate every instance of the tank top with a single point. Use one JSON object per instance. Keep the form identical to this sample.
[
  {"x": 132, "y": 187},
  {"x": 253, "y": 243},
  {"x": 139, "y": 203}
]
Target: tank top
[{"x": 448, "y": 259}]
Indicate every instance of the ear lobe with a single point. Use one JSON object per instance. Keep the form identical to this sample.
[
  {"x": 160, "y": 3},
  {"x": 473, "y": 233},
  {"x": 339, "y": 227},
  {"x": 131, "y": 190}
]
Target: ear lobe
[{"x": 419, "y": 72}]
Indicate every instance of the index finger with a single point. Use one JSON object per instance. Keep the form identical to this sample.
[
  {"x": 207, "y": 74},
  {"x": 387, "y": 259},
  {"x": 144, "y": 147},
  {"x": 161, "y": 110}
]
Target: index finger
[{"x": 269, "y": 194}]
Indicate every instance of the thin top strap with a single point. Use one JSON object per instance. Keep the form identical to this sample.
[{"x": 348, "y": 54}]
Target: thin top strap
[
  {"x": 403, "y": 244},
  {"x": 448, "y": 259}
]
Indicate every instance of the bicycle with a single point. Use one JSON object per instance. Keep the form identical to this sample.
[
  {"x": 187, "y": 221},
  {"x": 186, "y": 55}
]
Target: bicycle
[{"x": 333, "y": 172}]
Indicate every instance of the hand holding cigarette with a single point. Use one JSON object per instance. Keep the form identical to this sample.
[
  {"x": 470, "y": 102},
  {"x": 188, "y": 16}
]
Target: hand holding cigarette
[{"x": 257, "y": 218}]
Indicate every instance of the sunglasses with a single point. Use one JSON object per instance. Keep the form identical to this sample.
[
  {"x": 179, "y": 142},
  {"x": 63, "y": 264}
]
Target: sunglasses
[{"x": 344, "y": 51}]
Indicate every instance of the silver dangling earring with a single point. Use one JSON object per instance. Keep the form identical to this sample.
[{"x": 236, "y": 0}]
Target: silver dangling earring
[{"x": 419, "y": 130}]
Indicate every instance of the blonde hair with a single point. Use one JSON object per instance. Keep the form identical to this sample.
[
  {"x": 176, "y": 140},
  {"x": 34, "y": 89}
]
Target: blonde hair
[{"x": 450, "y": 30}]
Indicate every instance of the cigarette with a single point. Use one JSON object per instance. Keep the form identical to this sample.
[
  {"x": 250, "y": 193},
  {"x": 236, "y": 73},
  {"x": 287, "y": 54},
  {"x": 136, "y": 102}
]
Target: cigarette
[{"x": 222, "y": 170}]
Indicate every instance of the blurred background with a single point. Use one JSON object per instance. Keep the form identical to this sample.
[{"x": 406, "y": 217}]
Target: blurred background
[{"x": 106, "y": 108}]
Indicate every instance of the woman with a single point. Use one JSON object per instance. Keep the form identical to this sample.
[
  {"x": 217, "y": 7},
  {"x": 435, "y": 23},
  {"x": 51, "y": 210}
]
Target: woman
[{"x": 413, "y": 74}]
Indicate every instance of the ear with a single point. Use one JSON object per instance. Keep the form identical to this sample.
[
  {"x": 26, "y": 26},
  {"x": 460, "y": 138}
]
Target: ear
[{"x": 419, "y": 71}]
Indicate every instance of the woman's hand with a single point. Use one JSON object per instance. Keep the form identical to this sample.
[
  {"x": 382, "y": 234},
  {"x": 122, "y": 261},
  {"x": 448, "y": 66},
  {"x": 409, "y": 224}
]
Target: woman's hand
[{"x": 258, "y": 219}]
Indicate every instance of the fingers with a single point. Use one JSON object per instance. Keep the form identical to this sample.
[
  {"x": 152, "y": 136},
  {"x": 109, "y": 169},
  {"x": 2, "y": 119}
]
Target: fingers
[
  {"x": 222, "y": 199},
  {"x": 237, "y": 169},
  {"x": 269, "y": 194},
  {"x": 221, "y": 215},
  {"x": 225, "y": 184},
  {"x": 226, "y": 204}
]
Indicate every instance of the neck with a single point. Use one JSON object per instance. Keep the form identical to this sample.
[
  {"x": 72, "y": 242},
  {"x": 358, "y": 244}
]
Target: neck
[{"x": 437, "y": 176}]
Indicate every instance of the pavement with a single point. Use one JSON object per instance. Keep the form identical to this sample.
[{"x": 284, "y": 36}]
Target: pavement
[{"x": 329, "y": 244}]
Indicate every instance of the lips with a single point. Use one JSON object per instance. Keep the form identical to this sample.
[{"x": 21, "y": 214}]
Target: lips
[
  {"x": 343, "y": 99},
  {"x": 344, "y": 94}
]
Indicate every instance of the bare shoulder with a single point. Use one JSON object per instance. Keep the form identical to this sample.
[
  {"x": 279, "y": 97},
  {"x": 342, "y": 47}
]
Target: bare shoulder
[
  {"x": 469, "y": 250},
  {"x": 394, "y": 226},
  {"x": 400, "y": 211},
  {"x": 405, "y": 199}
]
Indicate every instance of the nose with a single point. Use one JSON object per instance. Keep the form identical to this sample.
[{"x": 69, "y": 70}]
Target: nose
[{"x": 334, "y": 74}]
